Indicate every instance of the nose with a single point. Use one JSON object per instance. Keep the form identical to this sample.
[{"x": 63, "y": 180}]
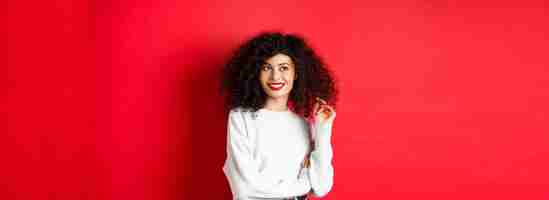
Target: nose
[{"x": 275, "y": 75}]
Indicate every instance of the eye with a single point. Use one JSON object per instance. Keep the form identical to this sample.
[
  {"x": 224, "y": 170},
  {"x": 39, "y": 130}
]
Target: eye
[
  {"x": 266, "y": 67},
  {"x": 284, "y": 68}
]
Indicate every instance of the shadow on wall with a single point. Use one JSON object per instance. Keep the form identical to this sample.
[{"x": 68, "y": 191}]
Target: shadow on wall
[{"x": 200, "y": 122}]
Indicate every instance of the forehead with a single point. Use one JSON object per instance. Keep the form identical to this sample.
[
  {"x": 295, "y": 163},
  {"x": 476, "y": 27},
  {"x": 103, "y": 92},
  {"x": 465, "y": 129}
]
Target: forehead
[{"x": 279, "y": 59}]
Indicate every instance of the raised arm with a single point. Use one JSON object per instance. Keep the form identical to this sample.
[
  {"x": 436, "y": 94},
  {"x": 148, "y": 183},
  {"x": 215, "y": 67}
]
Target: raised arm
[
  {"x": 242, "y": 170},
  {"x": 321, "y": 171}
]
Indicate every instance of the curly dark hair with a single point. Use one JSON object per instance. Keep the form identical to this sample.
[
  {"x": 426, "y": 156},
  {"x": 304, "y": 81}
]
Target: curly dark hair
[{"x": 240, "y": 75}]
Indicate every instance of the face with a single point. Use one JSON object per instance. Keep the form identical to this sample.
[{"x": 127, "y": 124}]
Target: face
[{"x": 277, "y": 76}]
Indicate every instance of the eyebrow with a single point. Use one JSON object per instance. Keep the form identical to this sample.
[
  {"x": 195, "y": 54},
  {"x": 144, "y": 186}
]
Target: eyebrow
[{"x": 278, "y": 64}]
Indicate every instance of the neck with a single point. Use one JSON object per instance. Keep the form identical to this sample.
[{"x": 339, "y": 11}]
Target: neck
[{"x": 278, "y": 104}]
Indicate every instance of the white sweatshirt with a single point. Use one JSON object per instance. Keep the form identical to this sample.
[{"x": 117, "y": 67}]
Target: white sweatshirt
[{"x": 265, "y": 152}]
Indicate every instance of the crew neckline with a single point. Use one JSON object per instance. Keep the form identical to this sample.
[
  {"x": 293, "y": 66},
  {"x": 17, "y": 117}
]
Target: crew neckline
[{"x": 272, "y": 111}]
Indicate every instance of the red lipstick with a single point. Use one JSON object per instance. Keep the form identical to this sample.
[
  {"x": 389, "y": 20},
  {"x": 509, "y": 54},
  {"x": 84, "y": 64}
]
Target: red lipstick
[{"x": 276, "y": 86}]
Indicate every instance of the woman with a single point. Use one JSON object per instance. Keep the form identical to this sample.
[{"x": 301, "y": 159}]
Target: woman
[{"x": 279, "y": 119}]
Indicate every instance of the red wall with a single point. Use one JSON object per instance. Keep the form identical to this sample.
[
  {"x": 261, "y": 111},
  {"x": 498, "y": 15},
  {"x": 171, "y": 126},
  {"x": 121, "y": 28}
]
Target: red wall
[
  {"x": 49, "y": 103},
  {"x": 117, "y": 100}
]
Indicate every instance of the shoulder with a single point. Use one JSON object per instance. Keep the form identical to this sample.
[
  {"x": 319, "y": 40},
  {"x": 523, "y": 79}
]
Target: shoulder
[
  {"x": 241, "y": 115},
  {"x": 240, "y": 120},
  {"x": 239, "y": 111},
  {"x": 235, "y": 113}
]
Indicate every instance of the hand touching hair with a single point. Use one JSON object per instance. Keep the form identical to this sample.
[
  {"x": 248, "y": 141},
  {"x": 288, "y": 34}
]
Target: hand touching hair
[{"x": 240, "y": 75}]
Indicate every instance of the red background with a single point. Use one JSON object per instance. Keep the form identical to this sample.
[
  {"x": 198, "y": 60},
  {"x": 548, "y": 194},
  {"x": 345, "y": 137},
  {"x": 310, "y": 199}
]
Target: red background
[{"x": 117, "y": 100}]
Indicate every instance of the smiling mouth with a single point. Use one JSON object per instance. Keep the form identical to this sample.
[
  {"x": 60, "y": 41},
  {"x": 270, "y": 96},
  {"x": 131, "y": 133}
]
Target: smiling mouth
[{"x": 276, "y": 86}]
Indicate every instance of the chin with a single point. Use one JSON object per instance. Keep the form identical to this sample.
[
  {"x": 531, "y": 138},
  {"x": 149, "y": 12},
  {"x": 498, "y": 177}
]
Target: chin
[{"x": 278, "y": 95}]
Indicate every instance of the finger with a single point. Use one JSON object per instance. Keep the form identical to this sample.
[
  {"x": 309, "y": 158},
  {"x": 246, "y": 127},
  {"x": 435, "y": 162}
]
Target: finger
[
  {"x": 321, "y": 100},
  {"x": 324, "y": 110},
  {"x": 329, "y": 110},
  {"x": 316, "y": 106}
]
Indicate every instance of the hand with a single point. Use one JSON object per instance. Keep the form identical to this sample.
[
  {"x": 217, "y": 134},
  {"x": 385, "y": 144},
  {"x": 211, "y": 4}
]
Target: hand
[{"x": 324, "y": 113}]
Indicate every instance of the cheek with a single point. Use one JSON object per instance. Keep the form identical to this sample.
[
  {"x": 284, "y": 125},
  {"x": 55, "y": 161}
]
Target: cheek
[
  {"x": 291, "y": 81},
  {"x": 291, "y": 76},
  {"x": 263, "y": 78}
]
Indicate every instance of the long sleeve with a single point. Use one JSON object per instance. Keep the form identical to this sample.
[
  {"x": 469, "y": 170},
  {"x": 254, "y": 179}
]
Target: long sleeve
[
  {"x": 243, "y": 172},
  {"x": 321, "y": 171}
]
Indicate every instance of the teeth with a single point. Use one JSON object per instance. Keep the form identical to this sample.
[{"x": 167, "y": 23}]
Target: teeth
[{"x": 276, "y": 85}]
